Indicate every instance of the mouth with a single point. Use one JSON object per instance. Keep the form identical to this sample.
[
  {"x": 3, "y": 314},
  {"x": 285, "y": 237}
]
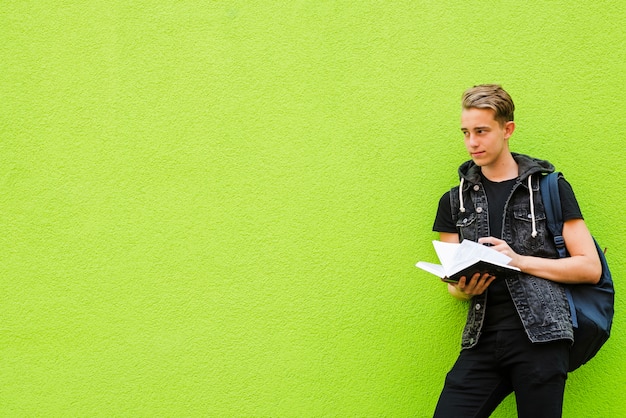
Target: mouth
[{"x": 477, "y": 154}]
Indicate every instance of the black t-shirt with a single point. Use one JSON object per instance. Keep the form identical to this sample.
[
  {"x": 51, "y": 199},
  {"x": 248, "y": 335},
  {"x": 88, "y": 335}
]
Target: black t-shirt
[{"x": 500, "y": 311}]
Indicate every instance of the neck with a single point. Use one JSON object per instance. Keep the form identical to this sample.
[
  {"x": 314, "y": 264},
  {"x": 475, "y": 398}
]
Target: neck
[{"x": 503, "y": 169}]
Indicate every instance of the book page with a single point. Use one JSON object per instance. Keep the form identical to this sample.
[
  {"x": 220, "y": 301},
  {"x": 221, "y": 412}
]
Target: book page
[
  {"x": 473, "y": 250},
  {"x": 446, "y": 252},
  {"x": 435, "y": 269}
]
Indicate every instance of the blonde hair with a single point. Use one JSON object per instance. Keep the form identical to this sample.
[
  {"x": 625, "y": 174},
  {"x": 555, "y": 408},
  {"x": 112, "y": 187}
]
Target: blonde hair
[{"x": 490, "y": 96}]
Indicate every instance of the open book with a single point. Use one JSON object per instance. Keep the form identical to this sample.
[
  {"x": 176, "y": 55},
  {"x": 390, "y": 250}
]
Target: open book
[{"x": 466, "y": 259}]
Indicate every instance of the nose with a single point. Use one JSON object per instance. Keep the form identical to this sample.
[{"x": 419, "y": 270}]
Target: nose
[{"x": 472, "y": 140}]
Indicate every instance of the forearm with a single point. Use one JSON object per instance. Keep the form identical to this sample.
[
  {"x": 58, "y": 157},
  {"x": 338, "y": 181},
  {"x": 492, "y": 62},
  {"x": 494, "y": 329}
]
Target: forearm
[{"x": 569, "y": 270}]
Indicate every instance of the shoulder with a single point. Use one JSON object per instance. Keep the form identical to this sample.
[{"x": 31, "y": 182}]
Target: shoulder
[
  {"x": 565, "y": 188},
  {"x": 444, "y": 221},
  {"x": 569, "y": 203},
  {"x": 445, "y": 204}
]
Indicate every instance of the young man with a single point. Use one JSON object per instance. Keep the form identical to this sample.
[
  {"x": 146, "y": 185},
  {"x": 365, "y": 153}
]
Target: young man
[{"x": 518, "y": 329}]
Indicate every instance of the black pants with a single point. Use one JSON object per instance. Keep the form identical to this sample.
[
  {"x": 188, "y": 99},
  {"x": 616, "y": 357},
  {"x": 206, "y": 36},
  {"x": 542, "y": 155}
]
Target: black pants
[{"x": 504, "y": 362}]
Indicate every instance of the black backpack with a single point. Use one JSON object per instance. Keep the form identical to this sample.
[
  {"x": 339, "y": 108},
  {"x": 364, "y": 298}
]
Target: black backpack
[{"x": 591, "y": 306}]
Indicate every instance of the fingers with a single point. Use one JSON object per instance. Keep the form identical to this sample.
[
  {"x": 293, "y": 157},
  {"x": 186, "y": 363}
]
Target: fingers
[
  {"x": 489, "y": 240},
  {"x": 476, "y": 285},
  {"x": 500, "y": 246}
]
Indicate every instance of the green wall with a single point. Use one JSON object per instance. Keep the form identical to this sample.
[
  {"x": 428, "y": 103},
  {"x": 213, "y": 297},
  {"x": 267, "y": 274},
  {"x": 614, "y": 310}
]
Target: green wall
[{"x": 214, "y": 208}]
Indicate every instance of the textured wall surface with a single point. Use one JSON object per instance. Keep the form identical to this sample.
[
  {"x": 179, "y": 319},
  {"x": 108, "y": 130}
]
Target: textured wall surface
[{"x": 214, "y": 208}]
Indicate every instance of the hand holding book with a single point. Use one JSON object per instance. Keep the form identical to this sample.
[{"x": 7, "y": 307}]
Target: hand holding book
[{"x": 466, "y": 259}]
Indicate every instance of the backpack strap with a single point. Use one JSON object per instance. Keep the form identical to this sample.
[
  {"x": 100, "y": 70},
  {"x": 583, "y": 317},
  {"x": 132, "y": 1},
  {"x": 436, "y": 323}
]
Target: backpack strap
[{"x": 549, "y": 188}]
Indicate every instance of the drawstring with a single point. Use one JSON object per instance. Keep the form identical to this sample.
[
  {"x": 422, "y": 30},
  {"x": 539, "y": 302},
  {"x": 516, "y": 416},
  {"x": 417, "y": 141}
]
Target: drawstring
[
  {"x": 462, "y": 208},
  {"x": 532, "y": 207}
]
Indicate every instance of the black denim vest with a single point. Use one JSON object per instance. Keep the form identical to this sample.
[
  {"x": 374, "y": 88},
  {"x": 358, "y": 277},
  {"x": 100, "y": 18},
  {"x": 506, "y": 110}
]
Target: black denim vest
[{"x": 541, "y": 304}]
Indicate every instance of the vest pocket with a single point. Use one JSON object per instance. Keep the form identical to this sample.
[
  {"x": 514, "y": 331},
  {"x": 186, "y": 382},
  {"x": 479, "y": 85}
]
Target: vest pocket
[
  {"x": 524, "y": 228},
  {"x": 467, "y": 226}
]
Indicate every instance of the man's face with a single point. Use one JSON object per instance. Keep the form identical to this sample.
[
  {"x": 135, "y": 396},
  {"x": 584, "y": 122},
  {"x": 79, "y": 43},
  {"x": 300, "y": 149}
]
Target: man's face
[{"x": 486, "y": 139}]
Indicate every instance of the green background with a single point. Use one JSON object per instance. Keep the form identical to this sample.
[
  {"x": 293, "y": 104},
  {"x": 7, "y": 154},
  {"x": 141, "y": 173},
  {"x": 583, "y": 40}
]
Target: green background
[{"x": 214, "y": 208}]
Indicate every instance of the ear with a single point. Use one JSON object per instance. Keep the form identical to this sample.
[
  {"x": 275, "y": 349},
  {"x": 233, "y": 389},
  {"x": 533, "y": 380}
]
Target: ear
[{"x": 509, "y": 128}]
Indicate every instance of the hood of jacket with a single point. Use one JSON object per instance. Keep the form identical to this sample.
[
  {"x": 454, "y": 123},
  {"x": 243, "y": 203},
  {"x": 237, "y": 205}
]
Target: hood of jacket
[{"x": 527, "y": 166}]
